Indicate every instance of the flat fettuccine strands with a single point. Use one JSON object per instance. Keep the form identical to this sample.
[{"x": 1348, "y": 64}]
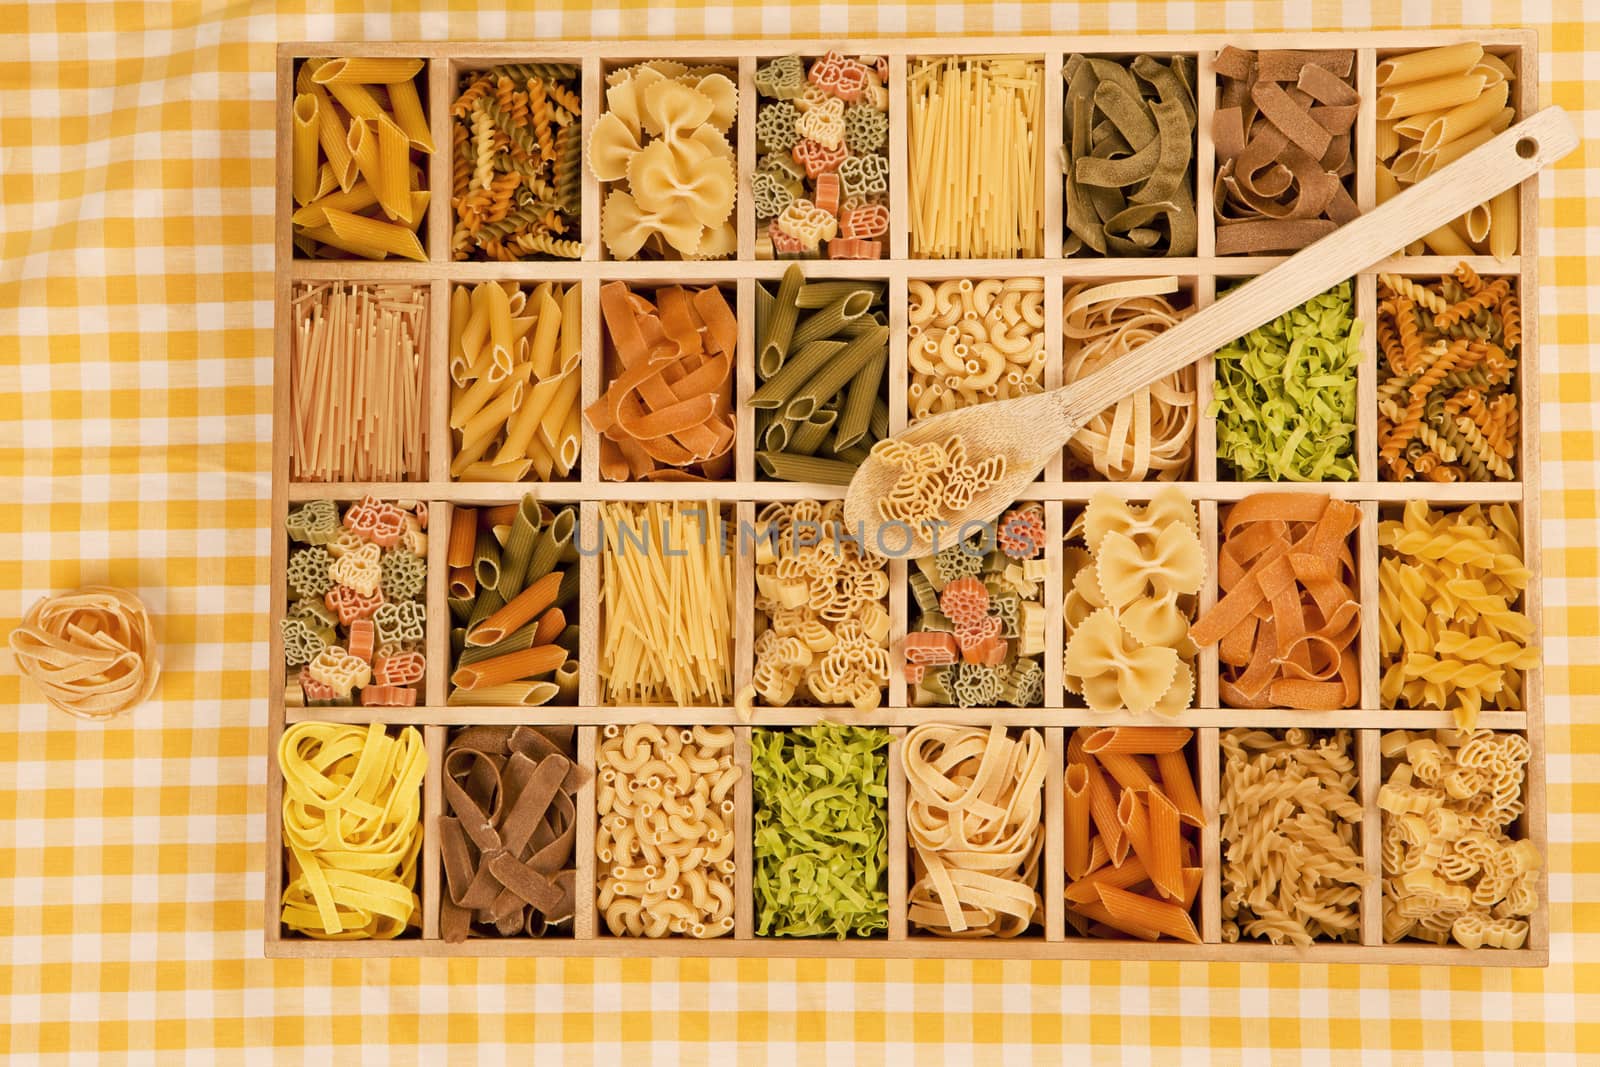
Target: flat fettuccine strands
[{"x": 352, "y": 805}]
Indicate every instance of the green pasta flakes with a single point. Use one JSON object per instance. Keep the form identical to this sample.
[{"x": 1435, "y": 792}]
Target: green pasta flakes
[
  {"x": 1285, "y": 394},
  {"x": 821, "y": 830}
]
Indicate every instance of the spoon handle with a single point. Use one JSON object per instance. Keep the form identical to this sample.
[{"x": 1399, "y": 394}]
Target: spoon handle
[{"x": 1510, "y": 158}]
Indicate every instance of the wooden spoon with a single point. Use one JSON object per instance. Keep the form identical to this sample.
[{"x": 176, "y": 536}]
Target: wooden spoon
[{"x": 1028, "y": 430}]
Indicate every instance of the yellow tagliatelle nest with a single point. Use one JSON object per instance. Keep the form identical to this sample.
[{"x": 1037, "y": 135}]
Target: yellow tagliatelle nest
[
  {"x": 351, "y": 822},
  {"x": 91, "y": 652}
]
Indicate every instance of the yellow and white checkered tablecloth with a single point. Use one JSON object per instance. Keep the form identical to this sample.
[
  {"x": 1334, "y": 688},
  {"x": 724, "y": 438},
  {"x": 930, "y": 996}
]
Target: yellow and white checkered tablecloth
[{"x": 136, "y": 167}]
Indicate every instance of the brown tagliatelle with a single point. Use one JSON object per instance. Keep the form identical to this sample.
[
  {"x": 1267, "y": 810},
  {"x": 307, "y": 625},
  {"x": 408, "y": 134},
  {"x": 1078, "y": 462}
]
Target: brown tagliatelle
[
  {"x": 1288, "y": 619},
  {"x": 1283, "y": 132}
]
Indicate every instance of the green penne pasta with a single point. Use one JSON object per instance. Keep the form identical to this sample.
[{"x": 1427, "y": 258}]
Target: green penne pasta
[
  {"x": 810, "y": 435},
  {"x": 552, "y": 541},
  {"x": 460, "y": 608},
  {"x": 855, "y": 418},
  {"x": 837, "y": 372},
  {"x": 519, "y": 548},
  {"x": 489, "y": 601},
  {"x": 517, "y": 640},
  {"x": 486, "y": 560},
  {"x": 567, "y": 591},
  {"x": 832, "y": 319},
  {"x": 772, "y": 350},
  {"x": 821, "y": 294},
  {"x": 776, "y": 391},
  {"x": 786, "y": 467},
  {"x": 458, "y": 639}
]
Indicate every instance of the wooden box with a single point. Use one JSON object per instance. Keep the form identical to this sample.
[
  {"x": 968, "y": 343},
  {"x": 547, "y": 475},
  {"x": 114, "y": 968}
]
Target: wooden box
[{"x": 444, "y": 62}]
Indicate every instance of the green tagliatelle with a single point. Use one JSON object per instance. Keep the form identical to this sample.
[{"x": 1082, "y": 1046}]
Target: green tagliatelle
[
  {"x": 1285, "y": 394},
  {"x": 821, "y": 830}
]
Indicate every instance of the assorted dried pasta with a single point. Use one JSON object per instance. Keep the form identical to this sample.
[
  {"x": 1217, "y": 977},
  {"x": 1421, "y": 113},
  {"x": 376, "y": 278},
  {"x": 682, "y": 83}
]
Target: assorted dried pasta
[
  {"x": 666, "y": 604},
  {"x": 1128, "y": 156},
  {"x": 1286, "y": 624},
  {"x": 664, "y": 838},
  {"x": 506, "y": 837},
  {"x": 1284, "y": 397},
  {"x": 664, "y": 149},
  {"x": 821, "y": 839},
  {"x": 975, "y": 143},
  {"x": 1131, "y": 833},
  {"x": 513, "y": 590},
  {"x": 1450, "y": 634},
  {"x": 516, "y": 167},
  {"x": 977, "y": 639},
  {"x": 822, "y": 618},
  {"x": 822, "y": 356},
  {"x": 973, "y": 340},
  {"x": 352, "y": 828},
  {"x": 1146, "y": 434},
  {"x": 1291, "y": 856},
  {"x": 514, "y": 381},
  {"x": 1435, "y": 106},
  {"x": 974, "y": 820},
  {"x": 1285, "y": 163},
  {"x": 667, "y": 409},
  {"x": 821, "y": 183},
  {"x": 359, "y": 139},
  {"x": 1131, "y": 589},
  {"x": 92, "y": 652},
  {"x": 358, "y": 366},
  {"x": 1456, "y": 868},
  {"x": 356, "y": 628},
  {"x": 1447, "y": 398}
]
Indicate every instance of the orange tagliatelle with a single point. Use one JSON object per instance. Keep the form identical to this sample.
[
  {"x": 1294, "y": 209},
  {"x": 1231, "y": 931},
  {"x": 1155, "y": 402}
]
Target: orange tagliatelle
[
  {"x": 667, "y": 412},
  {"x": 1287, "y": 622}
]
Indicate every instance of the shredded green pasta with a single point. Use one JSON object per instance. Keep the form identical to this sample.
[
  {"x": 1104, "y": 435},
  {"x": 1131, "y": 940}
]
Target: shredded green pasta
[
  {"x": 1285, "y": 394},
  {"x": 821, "y": 830}
]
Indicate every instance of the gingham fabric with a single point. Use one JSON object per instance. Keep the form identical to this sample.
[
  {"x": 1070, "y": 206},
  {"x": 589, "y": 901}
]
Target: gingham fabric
[{"x": 136, "y": 168}]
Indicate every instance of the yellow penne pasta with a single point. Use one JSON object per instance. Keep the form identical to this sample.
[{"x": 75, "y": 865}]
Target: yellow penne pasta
[
  {"x": 1428, "y": 64},
  {"x": 303, "y": 82},
  {"x": 544, "y": 464},
  {"x": 1446, "y": 242},
  {"x": 542, "y": 347},
  {"x": 397, "y": 240},
  {"x": 1387, "y": 139},
  {"x": 1494, "y": 69},
  {"x": 335, "y": 140},
  {"x": 1435, "y": 95},
  {"x": 1504, "y": 221},
  {"x": 499, "y": 324},
  {"x": 394, "y": 178},
  {"x": 356, "y": 99},
  {"x": 303, "y": 148},
  {"x": 1387, "y": 186},
  {"x": 326, "y": 234},
  {"x": 367, "y": 71},
  {"x": 1464, "y": 118},
  {"x": 476, "y": 331},
  {"x": 1477, "y": 223},
  {"x": 360, "y": 196},
  {"x": 480, "y": 394},
  {"x": 362, "y": 140},
  {"x": 497, "y": 472},
  {"x": 327, "y": 182},
  {"x": 571, "y": 446}
]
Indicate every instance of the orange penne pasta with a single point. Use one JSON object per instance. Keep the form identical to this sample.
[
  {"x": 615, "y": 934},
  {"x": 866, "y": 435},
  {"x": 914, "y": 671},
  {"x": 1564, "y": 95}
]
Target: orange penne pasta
[
  {"x": 513, "y": 666},
  {"x": 1103, "y": 809},
  {"x": 1192, "y": 878},
  {"x": 463, "y": 535},
  {"x": 521, "y": 608},
  {"x": 1127, "y": 876},
  {"x": 1178, "y": 784},
  {"x": 1101, "y": 914},
  {"x": 1142, "y": 912},
  {"x": 1126, "y": 769},
  {"x": 551, "y": 623},
  {"x": 1165, "y": 842},
  {"x": 1113, "y": 740},
  {"x": 501, "y": 515},
  {"x": 1076, "y": 818},
  {"x": 1135, "y": 823},
  {"x": 463, "y": 583},
  {"x": 1099, "y": 855}
]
